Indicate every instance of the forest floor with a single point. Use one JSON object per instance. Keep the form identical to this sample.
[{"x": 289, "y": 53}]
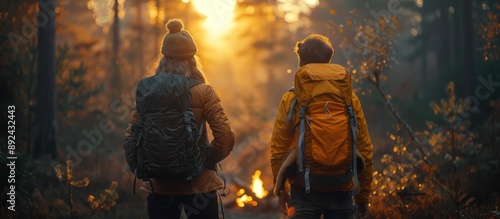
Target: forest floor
[{"x": 238, "y": 214}]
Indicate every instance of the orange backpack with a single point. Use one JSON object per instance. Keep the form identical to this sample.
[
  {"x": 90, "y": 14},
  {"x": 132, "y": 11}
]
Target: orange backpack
[{"x": 322, "y": 111}]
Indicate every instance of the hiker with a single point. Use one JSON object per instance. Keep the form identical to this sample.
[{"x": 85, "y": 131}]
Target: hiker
[
  {"x": 320, "y": 141},
  {"x": 193, "y": 197}
]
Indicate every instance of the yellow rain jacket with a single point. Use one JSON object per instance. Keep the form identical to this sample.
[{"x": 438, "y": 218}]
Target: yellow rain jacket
[{"x": 282, "y": 141}]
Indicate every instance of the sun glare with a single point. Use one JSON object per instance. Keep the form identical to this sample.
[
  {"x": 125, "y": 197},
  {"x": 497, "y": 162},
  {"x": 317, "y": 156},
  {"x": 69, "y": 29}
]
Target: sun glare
[
  {"x": 219, "y": 14},
  {"x": 103, "y": 11},
  {"x": 293, "y": 9}
]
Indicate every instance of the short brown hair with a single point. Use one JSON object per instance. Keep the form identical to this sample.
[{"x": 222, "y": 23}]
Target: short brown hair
[{"x": 315, "y": 48}]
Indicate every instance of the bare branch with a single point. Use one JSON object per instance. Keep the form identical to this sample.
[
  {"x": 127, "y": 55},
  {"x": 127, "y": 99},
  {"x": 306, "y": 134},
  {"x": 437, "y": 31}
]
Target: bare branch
[{"x": 403, "y": 124}]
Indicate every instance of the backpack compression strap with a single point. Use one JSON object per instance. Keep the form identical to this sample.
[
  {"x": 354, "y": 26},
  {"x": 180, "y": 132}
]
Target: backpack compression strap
[
  {"x": 354, "y": 125},
  {"x": 200, "y": 130},
  {"x": 187, "y": 118},
  {"x": 301, "y": 144}
]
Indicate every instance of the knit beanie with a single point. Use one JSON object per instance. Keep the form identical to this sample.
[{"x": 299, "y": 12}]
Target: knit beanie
[{"x": 178, "y": 43}]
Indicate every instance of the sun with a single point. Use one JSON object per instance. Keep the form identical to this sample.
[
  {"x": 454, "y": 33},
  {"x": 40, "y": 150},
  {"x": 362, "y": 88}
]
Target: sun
[{"x": 219, "y": 14}]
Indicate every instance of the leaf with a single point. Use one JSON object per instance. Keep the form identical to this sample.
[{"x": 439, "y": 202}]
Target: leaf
[
  {"x": 69, "y": 170},
  {"x": 91, "y": 198},
  {"x": 59, "y": 173},
  {"x": 81, "y": 183},
  {"x": 435, "y": 108}
]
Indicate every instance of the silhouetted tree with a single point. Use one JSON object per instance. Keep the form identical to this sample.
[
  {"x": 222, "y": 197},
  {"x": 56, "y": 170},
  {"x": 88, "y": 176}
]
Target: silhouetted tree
[
  {"x": 45, "y": 120},
  {"x": 468, "y": 58}
]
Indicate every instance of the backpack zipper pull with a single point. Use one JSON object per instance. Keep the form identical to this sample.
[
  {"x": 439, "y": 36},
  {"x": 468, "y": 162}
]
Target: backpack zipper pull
[{"x": 327, "y": 111}]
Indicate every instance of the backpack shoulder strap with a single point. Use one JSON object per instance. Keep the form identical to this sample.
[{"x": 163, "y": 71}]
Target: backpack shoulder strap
[
  {"x": 291, "y": 110},
  {"x": 193, "y": 82},
  {"x": 300, "y": 145},
  {"x": 292, "y": 106},
  {"x": 200, "y": 130}
]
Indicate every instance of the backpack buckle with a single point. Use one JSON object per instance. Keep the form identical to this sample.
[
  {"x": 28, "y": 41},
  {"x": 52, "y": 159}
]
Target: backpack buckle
[
  {"x": 350, "y": 111},
  {"x": 188, "y": 126},
  {"x": 302, "y": 111},
  {"x": 352, "y": 116},
  {"x": 186, "y": 117}
]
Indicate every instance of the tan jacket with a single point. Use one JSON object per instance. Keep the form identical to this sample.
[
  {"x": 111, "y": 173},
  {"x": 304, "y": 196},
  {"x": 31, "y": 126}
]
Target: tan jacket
[
  {"x": 205, "y": 104},
  {"x": 282, "y": 141}
]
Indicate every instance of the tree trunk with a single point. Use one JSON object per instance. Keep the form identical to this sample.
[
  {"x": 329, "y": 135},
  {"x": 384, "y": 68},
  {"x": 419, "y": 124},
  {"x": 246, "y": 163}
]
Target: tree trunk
[
  {"x": 444, "y": 55},
  {"x": 116, "y": 31},
  {"x": 140, "y": 48},
  {"x": 468, "y": 61},
  {"x": 46, "y": 120},
  {"x": 456, "y": 36},
  {"x": 426, "y": 44},
  {"x": 157, "y": 30},
  {"x": 115, "y": 81}
]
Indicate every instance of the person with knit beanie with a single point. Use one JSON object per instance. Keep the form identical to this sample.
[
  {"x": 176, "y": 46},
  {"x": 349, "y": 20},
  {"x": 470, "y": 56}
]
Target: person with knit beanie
[
  {"x": 196, "y": 198},
  {"x": 178, "y": 43}
]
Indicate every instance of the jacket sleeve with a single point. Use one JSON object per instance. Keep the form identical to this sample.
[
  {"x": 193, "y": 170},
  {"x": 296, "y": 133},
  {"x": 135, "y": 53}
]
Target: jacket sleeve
[
  {"x": 223, "y": 141},
  {"x": 365, "y": 147},
  {"x": 129, "y": 142},
  {"x": 281, "y": 137}
]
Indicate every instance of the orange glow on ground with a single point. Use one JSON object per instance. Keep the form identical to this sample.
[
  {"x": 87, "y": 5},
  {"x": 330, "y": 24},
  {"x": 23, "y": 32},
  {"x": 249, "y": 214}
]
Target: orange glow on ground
[
  {"x": 257, "y": 188},
  {"x": 244, "y": 199}
]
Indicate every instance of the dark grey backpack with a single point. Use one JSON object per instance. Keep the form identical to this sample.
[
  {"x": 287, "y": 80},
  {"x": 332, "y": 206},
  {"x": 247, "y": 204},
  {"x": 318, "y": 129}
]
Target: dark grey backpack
[{"x": 167, "y": 139}]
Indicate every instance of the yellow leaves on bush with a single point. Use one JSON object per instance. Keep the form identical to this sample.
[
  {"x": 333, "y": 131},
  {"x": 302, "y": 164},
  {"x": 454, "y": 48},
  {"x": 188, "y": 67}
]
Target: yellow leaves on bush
[
  {"x": 69, "y": 170},
  {"x": 68, "y": 175},
  {"x": 106, "y": 200},
  {"x": 435, "y": 108},
  {"x": 59, "y": 173},
  {"x": 490, "y": 31},
  {"x": 399, "y": 150},
  {"x": 80, "y": 183},
  {"x": 452, "y": 106},
  {"x": 91, "y": 198},
  {"x": 394, "y": 19},
  {"x": 392, "y": 137}
]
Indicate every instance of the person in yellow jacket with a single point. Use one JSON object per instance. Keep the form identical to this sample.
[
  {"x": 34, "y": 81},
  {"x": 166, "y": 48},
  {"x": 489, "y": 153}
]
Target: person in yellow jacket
[{"x": 329, "y": 200}]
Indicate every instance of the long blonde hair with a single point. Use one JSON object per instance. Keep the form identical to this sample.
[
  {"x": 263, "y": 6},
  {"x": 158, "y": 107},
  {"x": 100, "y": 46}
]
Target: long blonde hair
[{"x": 191, "y": 68}]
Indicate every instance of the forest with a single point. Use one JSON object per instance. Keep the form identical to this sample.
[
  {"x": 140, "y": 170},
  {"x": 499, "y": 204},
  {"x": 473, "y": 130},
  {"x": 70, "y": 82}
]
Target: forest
[{"x": 426, "y": 73}]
